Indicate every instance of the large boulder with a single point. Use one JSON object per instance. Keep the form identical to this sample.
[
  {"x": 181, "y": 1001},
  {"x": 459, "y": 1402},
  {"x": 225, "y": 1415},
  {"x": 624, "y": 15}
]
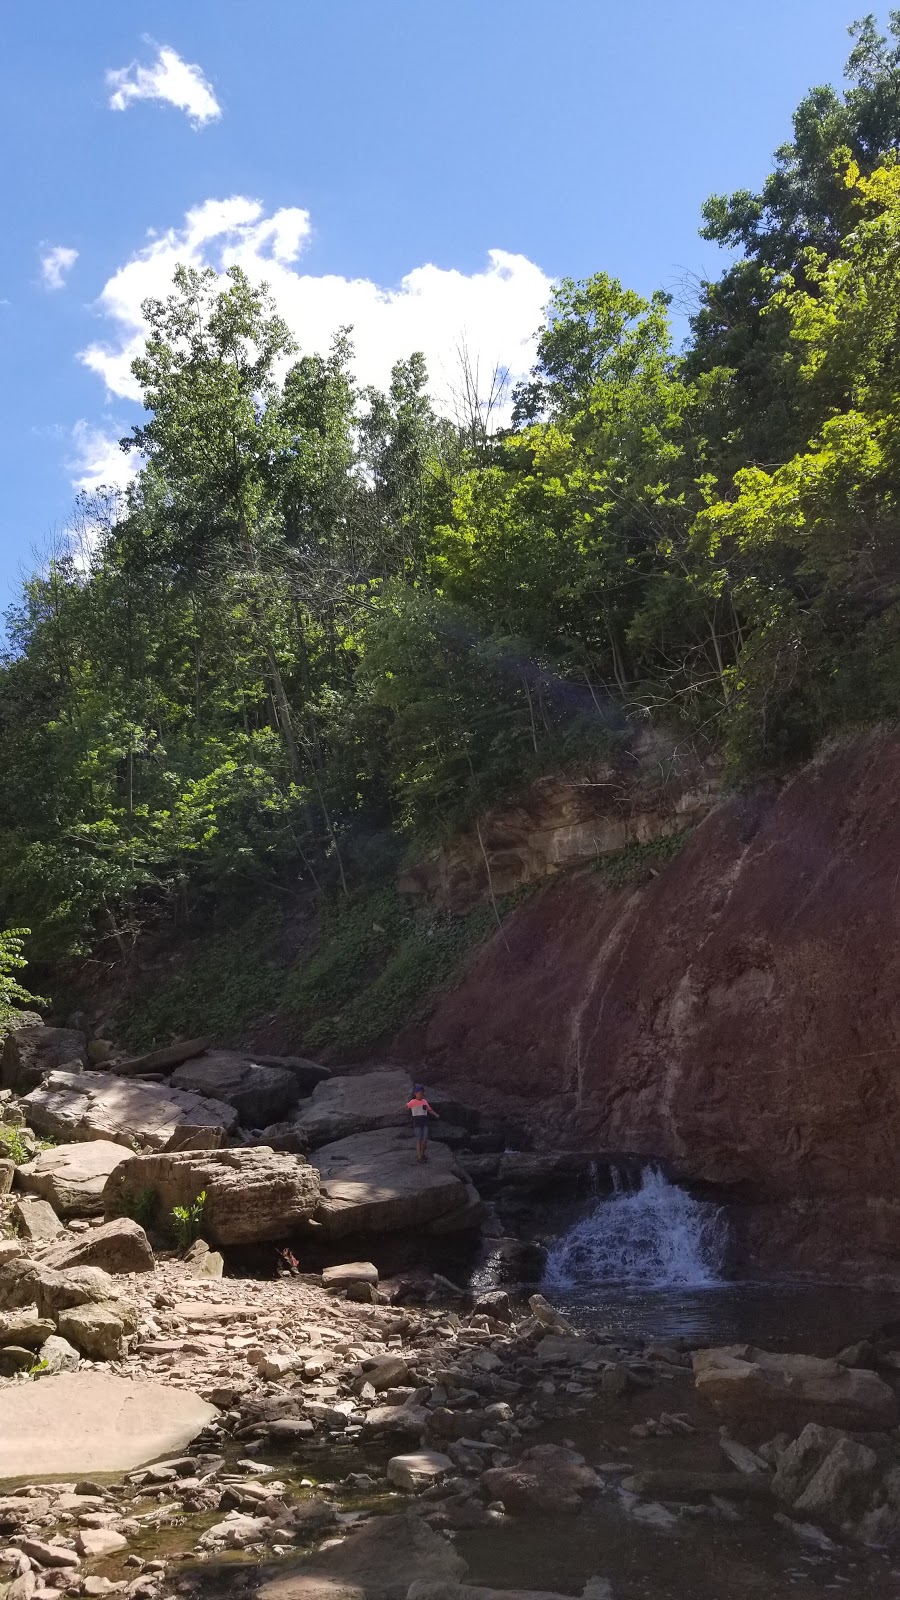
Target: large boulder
[
  {"x": 31, "y": 1052},
  {"x": 765, "y": 1393},
  {"x": 78, "y": 1424},
  {"x": 372, "y": 1183},
  {"x": 251, "y": 1194},
  {"x": 72, "y": 1176},
  {"x": 356, "y": 1103},
  {"x": 26, "y": 1283},
  {"x": 96, "y": 1330},
  {"x": 98, "y": 1105},
  {"x": 260, "y": 1094},
  {"x": 117, "y": 1246}
]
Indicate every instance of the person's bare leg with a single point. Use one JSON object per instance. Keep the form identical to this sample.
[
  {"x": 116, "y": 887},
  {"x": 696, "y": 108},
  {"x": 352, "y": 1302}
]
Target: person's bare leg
[{"x": 420, "y": 1149}]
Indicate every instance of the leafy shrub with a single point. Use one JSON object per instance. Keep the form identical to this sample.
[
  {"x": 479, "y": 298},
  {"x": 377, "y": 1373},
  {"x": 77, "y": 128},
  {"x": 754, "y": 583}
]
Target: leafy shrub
[
  {"x": 638, "y": 862},
  {"x": 140, "y": 1207},
  {"x": 217, "y": 992},
  {"x": 187, "y": 1221},
  {"x": 12, "y": 1145},
  {"x": 12, "y": 993}
]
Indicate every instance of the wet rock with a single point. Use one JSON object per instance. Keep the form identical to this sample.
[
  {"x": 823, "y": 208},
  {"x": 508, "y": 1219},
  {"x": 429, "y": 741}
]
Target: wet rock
[
  {"x": 86, "y": 1422},
  {"x": 120, "y": 1245},
  {"x": 372, "y": 1183},
  {"x": 96, "y": 1330},
  {"x": 259, "y": 1094},
  {"x": 763, "y": 1391},
  {"x": 31, "y": 1053},
  {"x": 405, "y": 1421},
  {"x": 72, "y": 1176},
  {"x": 99, "y": 1105},
  {"x": 566, "y": 1350},
  {"x": 377, "y": 1561},
  {"x": 251, "y": 1194},
  {"x": 548, "y": 1316},
  {"x": 340, "y": 1277},
  {"x": 495, "y": 1304},
  {"x": 418, "y": 1471},
  {"x": 36, "y": 1220},
  {"x": 546, "y": 1478}
]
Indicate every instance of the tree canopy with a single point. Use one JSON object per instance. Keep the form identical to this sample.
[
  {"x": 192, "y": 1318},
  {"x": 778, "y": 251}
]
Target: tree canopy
[{"x": 326, "y": 623}]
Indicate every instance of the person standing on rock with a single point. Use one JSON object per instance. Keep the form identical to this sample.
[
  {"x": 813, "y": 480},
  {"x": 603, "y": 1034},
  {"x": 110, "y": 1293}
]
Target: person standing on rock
[{"x": 421, "y": 1111}]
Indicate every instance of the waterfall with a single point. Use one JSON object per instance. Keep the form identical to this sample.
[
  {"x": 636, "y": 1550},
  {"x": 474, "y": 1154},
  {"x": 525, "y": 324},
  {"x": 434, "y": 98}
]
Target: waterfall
[{"x": 654, "y": 1235}]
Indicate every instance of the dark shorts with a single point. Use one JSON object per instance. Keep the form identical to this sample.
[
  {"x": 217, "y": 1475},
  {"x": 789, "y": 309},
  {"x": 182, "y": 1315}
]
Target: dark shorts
[{"x": 420, "y": 1127}]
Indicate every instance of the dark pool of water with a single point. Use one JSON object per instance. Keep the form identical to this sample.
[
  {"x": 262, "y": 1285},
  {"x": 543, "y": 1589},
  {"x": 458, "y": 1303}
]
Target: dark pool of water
[{"x": 815, "y": 1318}]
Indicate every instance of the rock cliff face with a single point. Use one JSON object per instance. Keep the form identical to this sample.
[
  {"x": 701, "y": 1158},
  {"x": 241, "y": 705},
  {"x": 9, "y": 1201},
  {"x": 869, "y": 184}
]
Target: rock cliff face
[{"x": 738, "y": 1016}]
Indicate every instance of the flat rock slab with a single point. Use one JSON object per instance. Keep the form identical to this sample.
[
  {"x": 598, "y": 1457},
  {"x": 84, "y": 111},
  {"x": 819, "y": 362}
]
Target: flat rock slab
[
  {"x": 74, "y": 1424},
  {"x": 31, "y": 1052},
  {"x": 99, "y": 1105},
  {"x": 765, "y": 1391},
  {"x": 72, "y": 1176},
  {"x": 357, "y": 1103},
  {"x": 372, "y": 1183}
]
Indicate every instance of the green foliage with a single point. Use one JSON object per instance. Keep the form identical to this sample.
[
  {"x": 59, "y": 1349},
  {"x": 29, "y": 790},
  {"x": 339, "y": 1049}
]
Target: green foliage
[
  {"x": 375, "y": 966},
  {"x": 12, "y": 1145},
  {"x": 321, "y": 618},
  {"x": 231, "y": 980},
  {"x": 12, "y": 993},
  {"x": 141, "y": 1206},
  {"x": 187, "y": 1221},
  {"x": 627, "y": 868}
]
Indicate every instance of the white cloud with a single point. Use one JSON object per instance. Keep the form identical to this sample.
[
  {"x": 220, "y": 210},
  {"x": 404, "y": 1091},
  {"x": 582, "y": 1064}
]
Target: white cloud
[
  {"x": 169, "y": 78},
  {"x": 98, "y": 462},
  {"x": 493, "y": 312},
  {"x": 55, "y": 263}
]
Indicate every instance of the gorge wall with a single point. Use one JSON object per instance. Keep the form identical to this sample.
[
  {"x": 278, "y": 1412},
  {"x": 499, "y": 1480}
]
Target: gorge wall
[{"x": 738, "y": 1016}]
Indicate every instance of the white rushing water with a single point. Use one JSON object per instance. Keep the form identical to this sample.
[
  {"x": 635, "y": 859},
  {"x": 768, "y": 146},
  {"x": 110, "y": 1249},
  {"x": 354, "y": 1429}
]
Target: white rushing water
[{"x": 653, "y": 1235}]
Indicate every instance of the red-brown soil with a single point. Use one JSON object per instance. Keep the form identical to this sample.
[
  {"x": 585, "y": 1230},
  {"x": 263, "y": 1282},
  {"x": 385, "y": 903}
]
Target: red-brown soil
[{"x": 737, "y": 1016}]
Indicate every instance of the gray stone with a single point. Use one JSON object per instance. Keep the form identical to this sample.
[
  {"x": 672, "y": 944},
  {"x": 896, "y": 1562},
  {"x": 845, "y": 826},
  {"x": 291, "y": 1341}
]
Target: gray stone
[
  {"x": 846, "y": 1476},
  {"x": 7, "y": 1173},
  {"x": 24, "y": 1282},
  {"x": 259, "y": 1094},
  {"x": 58, "y": 1355},
  {"x": 356, "y": 1103},
  {"x": 30, "y": 1053},
  {"x": 251, "y": 1194},
  {"x": 72, "y": 1176},
  {"x": 96, "y": 1330},
  {"x": 765, "y": 1392},
  {"x": 372, "y": 1183},
  {"x": 347, "y": 1272},
  {"x": 120, "y": 1245},
  {"x": 546, "y": 1478},
  {"x": 419, "y": 1470},
  {"x": 25, "y": 1326},
  {"x": 99, "y": 1105},
  {"x": 10, "y": 1250},
  {"x": 36, "y": 1220},
  {"x": 81, "y": 1423},
  {"x": 92, "y": 1542}
]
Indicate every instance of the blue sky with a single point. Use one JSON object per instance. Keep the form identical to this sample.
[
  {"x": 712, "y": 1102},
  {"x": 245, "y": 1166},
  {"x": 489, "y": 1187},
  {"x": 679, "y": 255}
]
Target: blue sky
[{"x": 366, "y": 157}]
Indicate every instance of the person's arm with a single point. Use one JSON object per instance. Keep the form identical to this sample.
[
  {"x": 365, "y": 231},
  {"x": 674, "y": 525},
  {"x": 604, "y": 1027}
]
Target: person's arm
[{"x": 431, "y": 1111}]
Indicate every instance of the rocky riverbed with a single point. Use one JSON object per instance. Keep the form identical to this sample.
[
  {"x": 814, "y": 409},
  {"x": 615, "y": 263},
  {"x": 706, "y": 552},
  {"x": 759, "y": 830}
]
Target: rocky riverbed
[{"x": 168, "y": 1428}]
